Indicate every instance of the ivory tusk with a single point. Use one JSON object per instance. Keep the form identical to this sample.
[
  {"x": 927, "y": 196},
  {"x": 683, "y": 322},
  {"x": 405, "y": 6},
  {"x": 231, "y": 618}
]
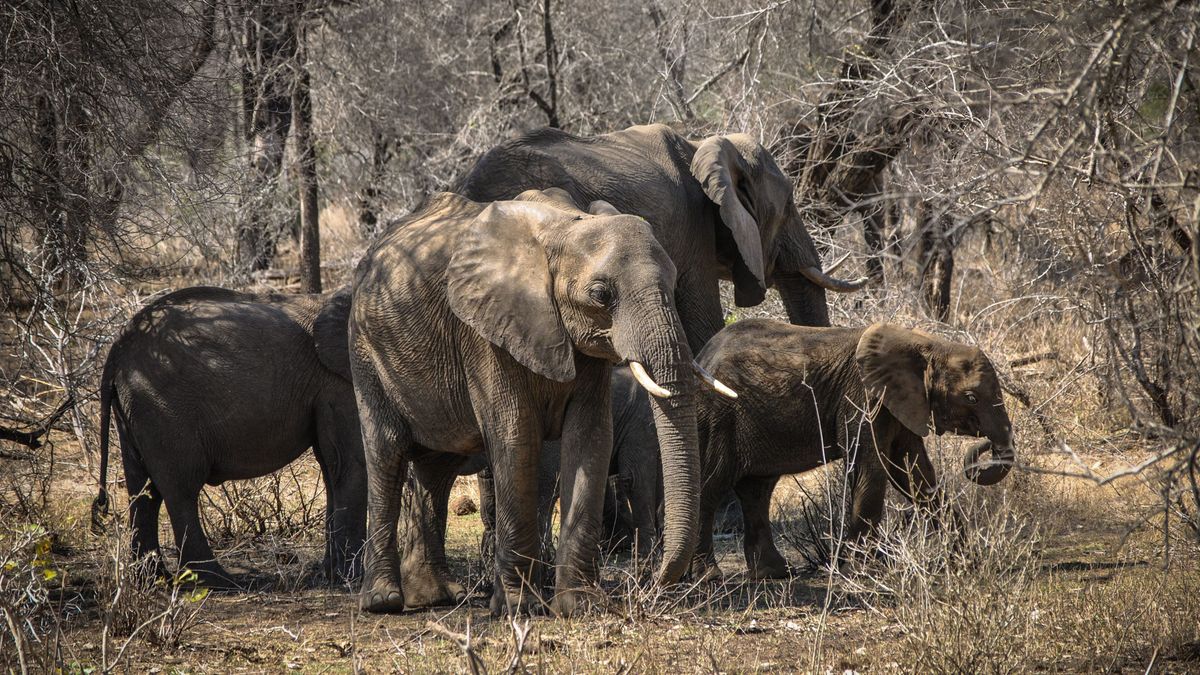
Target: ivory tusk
[
  {"x": 644, "y": 379},
  {"x": 713, "y": 382},
  {"x": 815, "y": 275},
  {"x": 834, "y": 267}
]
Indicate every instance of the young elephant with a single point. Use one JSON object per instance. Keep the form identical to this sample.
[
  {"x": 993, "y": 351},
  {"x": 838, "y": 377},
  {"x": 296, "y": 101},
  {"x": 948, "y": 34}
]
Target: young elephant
[
  {"x": 801, "y": 396},
  {"x": 490, "y": 328},
  {"x": 208, "y": 385}
]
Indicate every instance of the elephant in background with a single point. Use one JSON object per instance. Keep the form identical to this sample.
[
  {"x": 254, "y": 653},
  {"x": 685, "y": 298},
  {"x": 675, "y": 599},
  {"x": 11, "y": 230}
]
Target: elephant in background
[
  {"x": 720, "y": 208},
  {"x": 801, "y": 396},
  {"x": 490, "y": 328},
  {"x": 207, "y": 385}
]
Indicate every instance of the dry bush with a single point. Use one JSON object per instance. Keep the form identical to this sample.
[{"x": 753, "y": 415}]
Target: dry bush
[
  {"x": 29, "y": 632},
  {"x": 137, "y": 602}
]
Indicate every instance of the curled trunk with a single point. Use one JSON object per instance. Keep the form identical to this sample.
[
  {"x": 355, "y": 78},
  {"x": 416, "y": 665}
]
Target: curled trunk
[{"x": 988, "y": 472}]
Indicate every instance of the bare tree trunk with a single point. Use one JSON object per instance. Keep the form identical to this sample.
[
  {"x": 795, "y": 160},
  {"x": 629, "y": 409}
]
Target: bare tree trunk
[
  {"x": 310, "y": 230},
  {"x": 935, "y": 260},
  {"x": 273, "y": 54},
  {"x": 381, "y": 154},
  {"x": 675, "y": 60}
]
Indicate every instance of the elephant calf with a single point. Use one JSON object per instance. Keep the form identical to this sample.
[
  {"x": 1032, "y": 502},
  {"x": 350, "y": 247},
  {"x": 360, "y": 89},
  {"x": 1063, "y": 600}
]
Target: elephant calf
[
  {"x": 209, "y": 385},
  {"x": 802, "y": 393}
]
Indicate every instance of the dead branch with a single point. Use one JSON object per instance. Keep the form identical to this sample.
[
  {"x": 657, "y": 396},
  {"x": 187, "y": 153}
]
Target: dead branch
[{"x": 32, "y": 439}]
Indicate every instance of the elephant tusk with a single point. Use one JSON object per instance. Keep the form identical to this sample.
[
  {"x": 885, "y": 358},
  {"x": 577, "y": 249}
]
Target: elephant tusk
[
  {"x": 713, "y": 382},
  {"x": 834, "y": 267},
  {"x": 815, "y": 275},
  {"x": 644, "y": 379}
]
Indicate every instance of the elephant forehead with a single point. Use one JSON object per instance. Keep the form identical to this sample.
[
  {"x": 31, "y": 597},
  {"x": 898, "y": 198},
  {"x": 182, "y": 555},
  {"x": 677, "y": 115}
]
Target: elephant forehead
[
  {"x": 621, "y": 235},
  {"x": 972, "y": 366}
]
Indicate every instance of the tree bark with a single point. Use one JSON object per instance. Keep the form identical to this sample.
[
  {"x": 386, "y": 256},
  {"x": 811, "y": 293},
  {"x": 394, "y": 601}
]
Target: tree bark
[
  {"x": 270, "y": 59},
  {"x": 310, "y": 229}
]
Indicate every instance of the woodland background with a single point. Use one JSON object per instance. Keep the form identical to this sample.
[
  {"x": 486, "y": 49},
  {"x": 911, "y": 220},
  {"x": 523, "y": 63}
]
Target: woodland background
[{"x": 1019, "y": 174}]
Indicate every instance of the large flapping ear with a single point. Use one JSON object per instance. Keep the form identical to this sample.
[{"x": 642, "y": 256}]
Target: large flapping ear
[
  {"x": 330, "y": 332},
  {"x": 894, "y": 363},
  {"x": 499, "y": 284},
  {"x": 719, "y": 167}
]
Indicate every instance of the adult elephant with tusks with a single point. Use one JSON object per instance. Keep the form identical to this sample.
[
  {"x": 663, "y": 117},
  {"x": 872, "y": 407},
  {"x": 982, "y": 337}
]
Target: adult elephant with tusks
[
  {"x": 492, "y": 327},
  {"x": 720, "y": 208}
]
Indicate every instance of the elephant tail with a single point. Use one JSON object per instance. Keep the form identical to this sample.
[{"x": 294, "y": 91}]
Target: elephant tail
[{"x": 107, "y": 399}]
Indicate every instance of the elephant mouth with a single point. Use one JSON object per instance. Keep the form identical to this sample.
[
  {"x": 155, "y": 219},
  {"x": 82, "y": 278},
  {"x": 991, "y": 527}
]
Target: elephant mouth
[{"x": 990, "y": 471}]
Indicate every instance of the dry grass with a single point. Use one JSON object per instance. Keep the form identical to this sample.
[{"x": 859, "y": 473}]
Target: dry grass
[{"x": 1043, "y": 572}]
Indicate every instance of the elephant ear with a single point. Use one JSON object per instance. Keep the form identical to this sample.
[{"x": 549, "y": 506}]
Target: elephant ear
[
  {"x": 893, "y": 363},
  {"x": 602, "y": 208},
  {"x": 719, "y": 168},
  {"x": 330, "y": 332},
  {"x": 499, "y": 284}
]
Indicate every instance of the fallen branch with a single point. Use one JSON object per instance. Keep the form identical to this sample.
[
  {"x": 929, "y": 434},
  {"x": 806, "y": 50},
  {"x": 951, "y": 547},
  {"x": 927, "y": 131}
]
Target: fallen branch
[
  {"x": 1029, "y": 359},
  {"x": 474, "y": 663},
  {"x": 33, "y": 439}
]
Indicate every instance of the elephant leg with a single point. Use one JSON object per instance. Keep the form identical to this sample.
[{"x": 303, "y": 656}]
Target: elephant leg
[
  {"x": 145, "y": 504},
  {"x": 548, "y": 496},
  {"x": 763, "y": 560},
  {"x": 640, "y": 472},
  {"x": 704, "y": 564},
  {"x": 866, "y": 481},
  {"x": 195, "y": 553},
  {"x": 911, "y": 472},
  {"x": 423, "y": 566},
  {"x": 519, "y": 572},
  {"x": 345, "y": 518},
  {"x": 339, "y": 452},
  {"x": 487, "y": 515},
  {"x": 386, "y": 446},
  {"x": 585, "y": 457}
]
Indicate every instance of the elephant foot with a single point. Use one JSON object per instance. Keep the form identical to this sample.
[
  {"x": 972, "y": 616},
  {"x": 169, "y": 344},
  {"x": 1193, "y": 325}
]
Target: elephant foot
[
  {"x": 706, "y": 571},
  {"x": 769, "y": 564},
  {"x": 763, "y": 572},
  {"x": 213, "y": 577},
  {"x": 381, "y": 598},
  {"x": 571, "y": 603},
  {"x": 507, "y": 603},
  {"x": 438, "y": 593},
  {"x": 341, "y": 569}
]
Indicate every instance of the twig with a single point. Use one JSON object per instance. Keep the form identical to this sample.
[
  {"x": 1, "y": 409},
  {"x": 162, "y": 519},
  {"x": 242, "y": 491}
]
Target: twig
[
  {"x": 1033, "y": 358},
  {"x": 474, "y": 662},
  {"x": 32, "y": 439}
]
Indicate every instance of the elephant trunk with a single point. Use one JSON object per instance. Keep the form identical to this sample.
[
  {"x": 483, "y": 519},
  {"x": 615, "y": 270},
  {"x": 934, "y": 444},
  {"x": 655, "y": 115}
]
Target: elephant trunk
[
  {"x": 675, "y": 423},
  {"x": 990, "y": 472},
  {"x": 659, "y": 345},
  {"x": 804, "y": 301}
]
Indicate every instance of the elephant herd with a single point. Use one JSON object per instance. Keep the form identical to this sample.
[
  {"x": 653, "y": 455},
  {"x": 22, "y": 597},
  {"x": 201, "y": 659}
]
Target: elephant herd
[{"x": 558, "y": 308}]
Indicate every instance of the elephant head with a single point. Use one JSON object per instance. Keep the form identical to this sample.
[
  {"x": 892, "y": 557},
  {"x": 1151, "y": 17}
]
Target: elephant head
[
  {"x": 766, "y": 242},
  {"x": 544, "y": 279},
  {"x": 918, "y": 377}
]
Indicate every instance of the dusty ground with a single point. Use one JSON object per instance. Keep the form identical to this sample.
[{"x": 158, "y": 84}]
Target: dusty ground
[{"x": 1068, "y": 575}]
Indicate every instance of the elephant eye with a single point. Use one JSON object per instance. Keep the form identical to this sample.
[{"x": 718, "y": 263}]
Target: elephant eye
[
  {"x": 971, "y": 398},
  {"x": 600, "y": 293}
]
